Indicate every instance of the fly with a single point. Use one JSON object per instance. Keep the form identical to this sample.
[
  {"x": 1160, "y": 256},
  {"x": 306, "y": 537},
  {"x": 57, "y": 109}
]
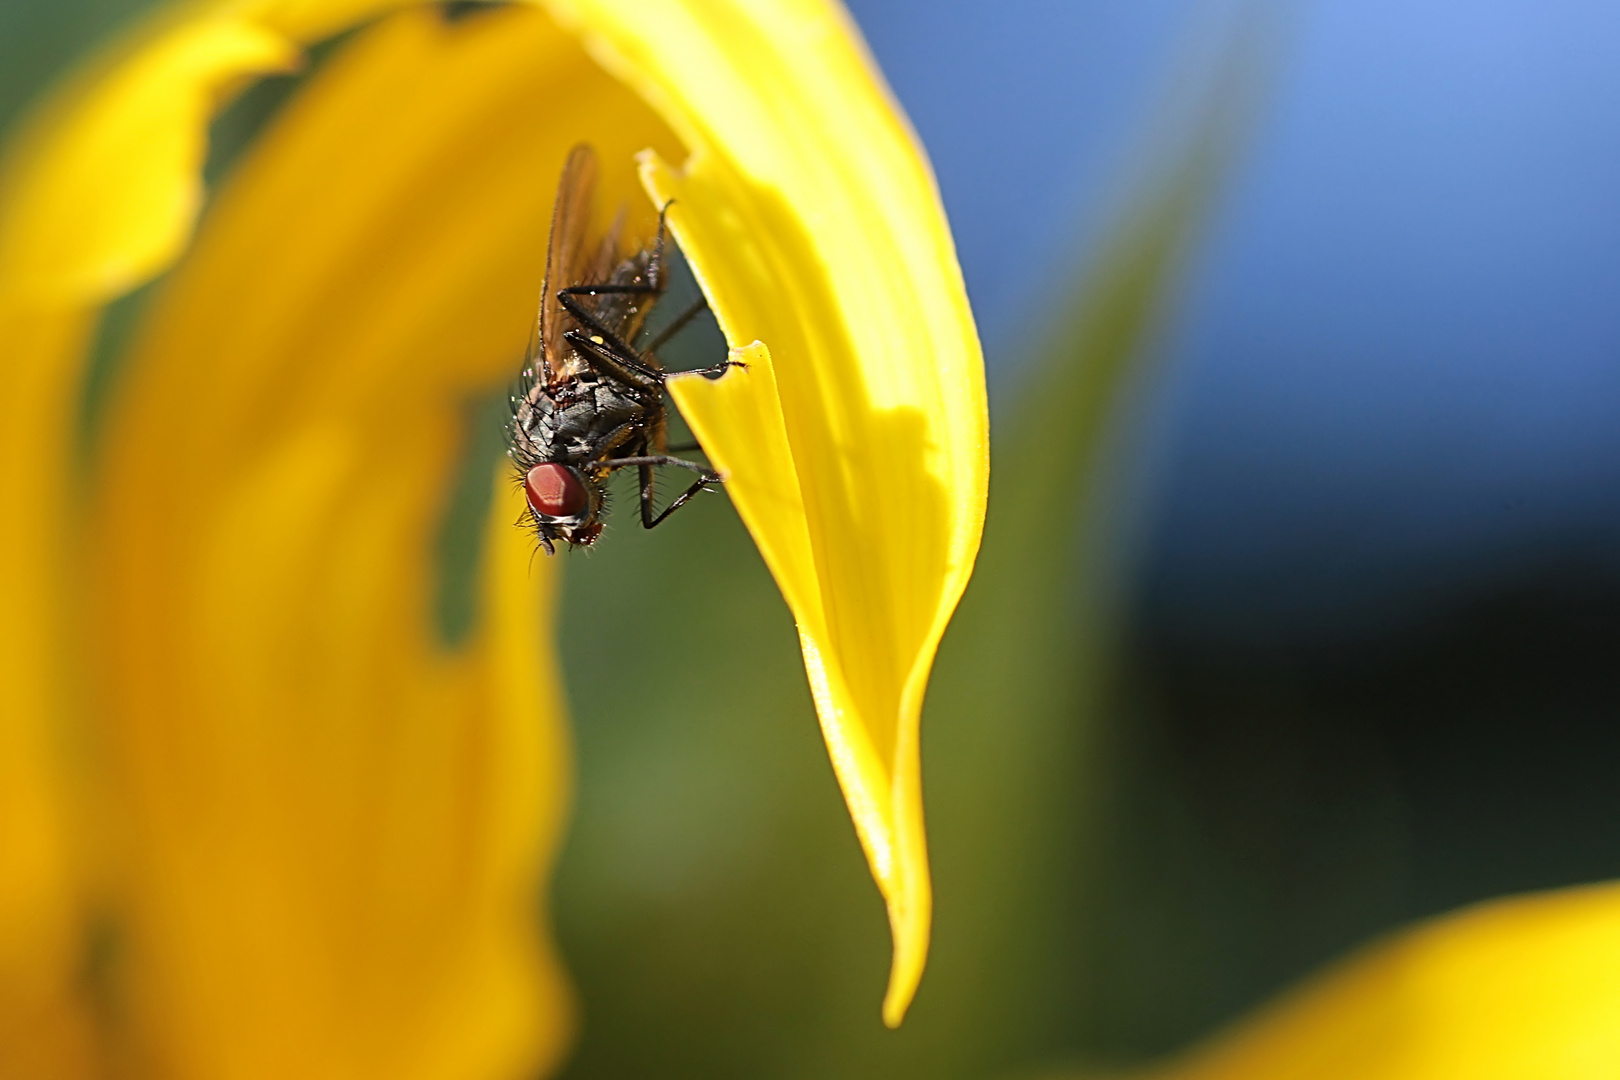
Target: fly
[{"x": 587, "y": 402}]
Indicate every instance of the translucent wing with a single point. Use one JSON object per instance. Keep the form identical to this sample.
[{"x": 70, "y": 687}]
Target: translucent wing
[{"x": 567, "y": 263}]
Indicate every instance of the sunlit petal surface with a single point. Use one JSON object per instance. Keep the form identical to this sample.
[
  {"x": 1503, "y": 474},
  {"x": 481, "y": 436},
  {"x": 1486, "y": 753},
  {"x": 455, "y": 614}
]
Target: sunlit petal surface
[
  {"x": 855, "y": 444},
  {"x": 1520, "y": 989}
]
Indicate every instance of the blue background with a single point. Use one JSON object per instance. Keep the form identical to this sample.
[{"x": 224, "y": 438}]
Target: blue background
[{"x": 1397, "y": 372}]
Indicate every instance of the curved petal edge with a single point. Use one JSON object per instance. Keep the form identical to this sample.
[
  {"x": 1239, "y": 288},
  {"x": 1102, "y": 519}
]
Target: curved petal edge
[{"x": 856, "y": 443}]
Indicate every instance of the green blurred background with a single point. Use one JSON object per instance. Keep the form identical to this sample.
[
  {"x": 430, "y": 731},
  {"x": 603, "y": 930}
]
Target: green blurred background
[{"x": 1154, "y": 798}]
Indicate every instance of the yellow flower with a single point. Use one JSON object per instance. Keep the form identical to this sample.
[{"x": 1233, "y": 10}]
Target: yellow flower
[
  {"x": 1526, "y": 988},
  {"x": 287, "y": 827},
  {"x": 261, "y": 815}
]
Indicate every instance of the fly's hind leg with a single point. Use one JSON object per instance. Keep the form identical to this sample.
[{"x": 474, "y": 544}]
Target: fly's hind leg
[
  {"x": 715, "y": 369},
  {"x": 697, "y": 307},
  {"x": 661, "y": 459},
  {"x": 569, "y": 297}
]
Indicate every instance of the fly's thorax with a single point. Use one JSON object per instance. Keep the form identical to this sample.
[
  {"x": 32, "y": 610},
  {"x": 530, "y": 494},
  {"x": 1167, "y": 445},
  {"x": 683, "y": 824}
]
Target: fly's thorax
[{"x": 587, "y": 419}]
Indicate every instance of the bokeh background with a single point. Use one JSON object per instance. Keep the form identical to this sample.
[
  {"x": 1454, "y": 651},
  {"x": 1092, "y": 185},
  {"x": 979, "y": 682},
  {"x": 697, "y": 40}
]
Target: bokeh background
[{"x": 1300, "y": 612}]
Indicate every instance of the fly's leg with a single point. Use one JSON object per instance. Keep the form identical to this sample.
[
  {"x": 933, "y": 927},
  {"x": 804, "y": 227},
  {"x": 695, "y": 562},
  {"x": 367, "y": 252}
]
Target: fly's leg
[
  {"x": 717, "y": 369},
  {"x": 648, "y": 518},
  {"x": 617, "y": 355},
  {"x": 622, "y": 435},
  {"x": 657, "y": 459},
  {"x": 616, "y": 365},
  {"x": 626, "y": 370},
  {"x": 569, "y": 299},
  {"x": 699, "y": 306},
  {"x": 645, "y": 464},
  {"x": 653, "y": 286}
]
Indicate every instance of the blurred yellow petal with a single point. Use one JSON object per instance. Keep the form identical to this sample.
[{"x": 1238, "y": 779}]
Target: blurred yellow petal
[
  {"x": 855, "y": 445},
  {"x": 42, "y": 1021},
  {"x": 97, "y": 192},
  {"x": 68, "y": 235},
  {"x": 1526, "y": 988},
  {"x": 333, "y": 826},
  {"x": 307, "y": 20}
]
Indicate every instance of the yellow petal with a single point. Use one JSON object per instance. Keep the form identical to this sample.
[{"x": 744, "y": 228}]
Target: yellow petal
[
  {"x": 307, "y": 20},
  {"x": 65, "y": 232},
  {"x": 1526, "y": 988},
  {"x": 333, "y": 827},
  {"x": 855, "y": 444},
  {"x": 94, "y": 194}
]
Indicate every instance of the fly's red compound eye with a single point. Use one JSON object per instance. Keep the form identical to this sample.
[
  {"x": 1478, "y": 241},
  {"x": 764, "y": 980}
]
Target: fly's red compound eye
[{"x": 555, "y": 491}]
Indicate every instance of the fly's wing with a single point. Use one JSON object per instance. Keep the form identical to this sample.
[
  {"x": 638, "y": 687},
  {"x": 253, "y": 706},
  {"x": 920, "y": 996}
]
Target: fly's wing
[
  {"x": 599, "y": 267},
  {"x": 567, "y": 259},
  {"x": 621, "y": 262}
]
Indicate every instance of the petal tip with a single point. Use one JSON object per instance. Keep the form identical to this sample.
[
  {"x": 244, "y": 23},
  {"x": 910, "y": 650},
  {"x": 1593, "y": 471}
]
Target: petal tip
[{"x": 910, "y": 918}]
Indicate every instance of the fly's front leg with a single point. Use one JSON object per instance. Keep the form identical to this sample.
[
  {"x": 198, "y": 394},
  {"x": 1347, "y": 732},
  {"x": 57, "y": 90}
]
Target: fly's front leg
[
  {"x": 645, "y": 464},
  {"x": 711, "y": 476},
  {"x": 646, "y": 476},
  {"x": 620, "y": 436},
  {"x": 648, "y": 518}
]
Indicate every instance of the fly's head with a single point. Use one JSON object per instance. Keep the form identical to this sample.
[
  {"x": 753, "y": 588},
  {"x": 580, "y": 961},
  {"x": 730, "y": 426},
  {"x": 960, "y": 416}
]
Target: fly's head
[{"x": 565, "y": 503}]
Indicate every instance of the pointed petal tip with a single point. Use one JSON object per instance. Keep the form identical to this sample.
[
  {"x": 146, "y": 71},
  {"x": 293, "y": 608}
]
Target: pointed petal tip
[
  {"x": 905, "y": 974},
  {"x": 843, "y": 266}
]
